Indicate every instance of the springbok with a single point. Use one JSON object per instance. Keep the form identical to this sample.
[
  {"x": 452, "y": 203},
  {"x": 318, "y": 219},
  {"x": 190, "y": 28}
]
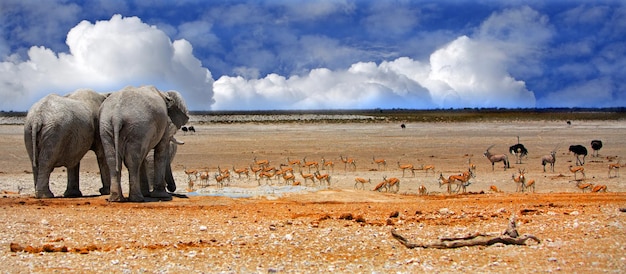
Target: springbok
[
  {"x": 576, "y": 169},
  {"x": 322, "y": 177},
  {"x": 405, "y": 167},
  {"x": 327, "y": 163},
  {"x": 614, "y": 167},
  {"x": 308, "y": 176},
  {"x": 422, "y": 190},
  {"x": 463, "y": 180},
  {"x": 362, "y": 181},
  {"x": 310, "y": 164},
  {"x": 583, "y": 186},
  {"x": 520, "y": 180},
  {"x": 494, "y": 158},
  {"x": 379, "y": 162},
  {"x": 392, "y": 182},
  {"x": 348, "y": 161},
  {"x": 599, "y": 188},
  {"x": 444, "y": 181}
]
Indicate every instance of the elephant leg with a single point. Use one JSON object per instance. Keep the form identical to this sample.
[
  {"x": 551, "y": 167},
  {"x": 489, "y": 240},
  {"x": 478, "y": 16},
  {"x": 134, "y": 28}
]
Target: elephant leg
[
  {"x": 134, "y": 169},
  {"x": 169, "y": 178},
  {"x": 42, "y": 183},
  {"x": 161, "y": 161},
  {"x": 116, "y": 181},
  {"x": 73, "y": 187},
  {"x": 143, "y": 179},
  {"x": 105, "y": 175}
]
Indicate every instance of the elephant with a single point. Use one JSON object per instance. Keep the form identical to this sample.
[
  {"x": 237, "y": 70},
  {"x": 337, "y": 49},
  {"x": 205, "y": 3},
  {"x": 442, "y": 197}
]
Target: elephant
[
  {"x": 58, "y": 131},
  {"x": 147, "y": 168},
  {"x": 133, "y": 121}
]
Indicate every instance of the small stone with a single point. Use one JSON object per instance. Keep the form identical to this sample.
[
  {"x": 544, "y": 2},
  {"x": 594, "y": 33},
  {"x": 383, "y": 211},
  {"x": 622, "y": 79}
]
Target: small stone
[{"x": 203, "y": 228}]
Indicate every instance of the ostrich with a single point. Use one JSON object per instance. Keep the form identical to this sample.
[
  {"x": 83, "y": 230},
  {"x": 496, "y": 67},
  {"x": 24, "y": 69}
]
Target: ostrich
[
  {"x": 184, "y": 129},
  {"x": 596, "y": 145},
  {"x": 519, "y": 151},
  {"x": 191, "y": 129},
  {"x": 579, "y": 150}
]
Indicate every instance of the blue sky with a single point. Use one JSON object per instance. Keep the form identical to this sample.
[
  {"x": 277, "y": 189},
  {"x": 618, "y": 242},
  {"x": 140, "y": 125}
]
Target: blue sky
[{"x": 258, "y": 55}]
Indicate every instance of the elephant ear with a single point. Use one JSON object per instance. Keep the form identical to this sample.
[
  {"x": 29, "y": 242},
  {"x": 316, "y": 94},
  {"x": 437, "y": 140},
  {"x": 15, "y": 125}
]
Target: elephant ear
[{"x": 176, "y": 108}]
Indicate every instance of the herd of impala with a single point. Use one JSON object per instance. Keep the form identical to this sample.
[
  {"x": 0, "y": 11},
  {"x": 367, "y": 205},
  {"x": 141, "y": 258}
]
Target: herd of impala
[{"x": 310, "y": 172}]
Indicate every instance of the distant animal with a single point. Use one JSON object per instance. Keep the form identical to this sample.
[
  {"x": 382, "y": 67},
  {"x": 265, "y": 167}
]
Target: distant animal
[
  {"x": 614, "y": 167},
  {"x": 493, "y": 158},
  {"x": 599, "y": 188},
  {"x": 402, "y": 126},
  {"x": 576, "y": 169},
  {"x": 185, "y": 130},
  {"x": 579, "y": 150},
  {"x": 596, "y": 145},
  {"x": 584, "y": 186},
  {"x": 422, "y": 190},
  {"x": 549, "y": 159},
  {"x": 569, "y": 123},
  {"x": 519, "y": 151}
]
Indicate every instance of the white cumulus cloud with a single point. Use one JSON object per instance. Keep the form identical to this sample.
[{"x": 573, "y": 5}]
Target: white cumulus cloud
[{"x": 106, "y": 56}]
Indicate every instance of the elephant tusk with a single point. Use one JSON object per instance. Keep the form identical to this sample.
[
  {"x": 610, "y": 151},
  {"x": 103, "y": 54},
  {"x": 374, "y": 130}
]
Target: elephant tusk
[{"x": 173, "y": 140}]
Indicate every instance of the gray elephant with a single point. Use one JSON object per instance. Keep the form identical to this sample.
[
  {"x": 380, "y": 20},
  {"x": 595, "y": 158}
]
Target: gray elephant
[
  {"x": 58, "y": 131},
  {"x": 132, "y": 122},
  {"x": 147, "y": 168}
]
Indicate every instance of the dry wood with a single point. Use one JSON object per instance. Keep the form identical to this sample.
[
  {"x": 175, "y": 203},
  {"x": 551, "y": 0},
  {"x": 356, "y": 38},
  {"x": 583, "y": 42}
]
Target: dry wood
[{"x": 509, "y": 237}]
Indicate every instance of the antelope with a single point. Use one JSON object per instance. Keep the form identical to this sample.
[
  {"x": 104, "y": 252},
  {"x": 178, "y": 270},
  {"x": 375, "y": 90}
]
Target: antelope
[
  {"x": 190, "y": 172},
  {"x": 326, "y": 163},
  {"x": 615, "y": 167},
  {"x": 362, "y": 181},
  {"x": 267, "y": 175},
  {"x": 308, "y": 176},
  {"x": 380, "y": 186},
  {"x": 494, "y": 189},
  {"x": 584, "y": 186},
  {"x": 240, "y": 171},
  {"x": 598, "y": 188},
  {"x": 426, "y": 168},
  {"x": 204, "y": 177},
  {"x": 264, "y": 162},
  {"x": 392, "y": 182},
  {"x": 220, "y": 178},
  {"x": 310, "y": 164},
  {"x": 348, "y": 161},
  {"x": 576, "y": 169},
  {"x": 289, "y": 177},
  {"x": 322, "y": 177},
  {"x": 405, "y": 167},
  {"x": 549, "y": 159},
  {"x": 493, "y": 158},
  {"x": 520, "y": 180},
  {"x": 462, "y": 178},
  {"x": 444, "y": 181},
  {"x": 422, "y": 190},
  {"x": 190, "y": 185},
  {"x": 379, "y": 162},
  {"x": 256, "y": 171},
  {"x": 531, "y": 184},
  {"x": 294, "y": 163}
]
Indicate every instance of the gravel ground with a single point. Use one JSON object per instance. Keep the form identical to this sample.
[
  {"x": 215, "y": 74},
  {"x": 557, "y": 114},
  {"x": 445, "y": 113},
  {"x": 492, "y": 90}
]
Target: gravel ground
[{"x": 245, "y": 227}]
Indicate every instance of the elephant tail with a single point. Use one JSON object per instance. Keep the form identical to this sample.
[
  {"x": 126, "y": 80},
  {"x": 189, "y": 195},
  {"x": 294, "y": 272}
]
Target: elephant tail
[
  {"x": 34, "y": 131},
  {"x": 116, "y": 145}
]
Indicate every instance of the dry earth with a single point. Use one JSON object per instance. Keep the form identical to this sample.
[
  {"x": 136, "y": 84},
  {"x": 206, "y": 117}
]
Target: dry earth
[{"x": 336, "y": 228}]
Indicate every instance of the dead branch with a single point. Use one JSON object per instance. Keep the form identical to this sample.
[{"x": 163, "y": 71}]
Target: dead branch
[{"x": 509, "y": 237}]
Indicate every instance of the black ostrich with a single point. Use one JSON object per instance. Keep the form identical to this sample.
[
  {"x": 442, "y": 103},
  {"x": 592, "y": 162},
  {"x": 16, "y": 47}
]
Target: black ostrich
[
  {"x": 596, "y": 145},
  {"x": 191, "y": 129},
  {"x": 519, "y": 151},
  {"x": 402, "y": 126},
  {"x": 579, "y": 150},
  {"x": 184, "y": 129}
]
